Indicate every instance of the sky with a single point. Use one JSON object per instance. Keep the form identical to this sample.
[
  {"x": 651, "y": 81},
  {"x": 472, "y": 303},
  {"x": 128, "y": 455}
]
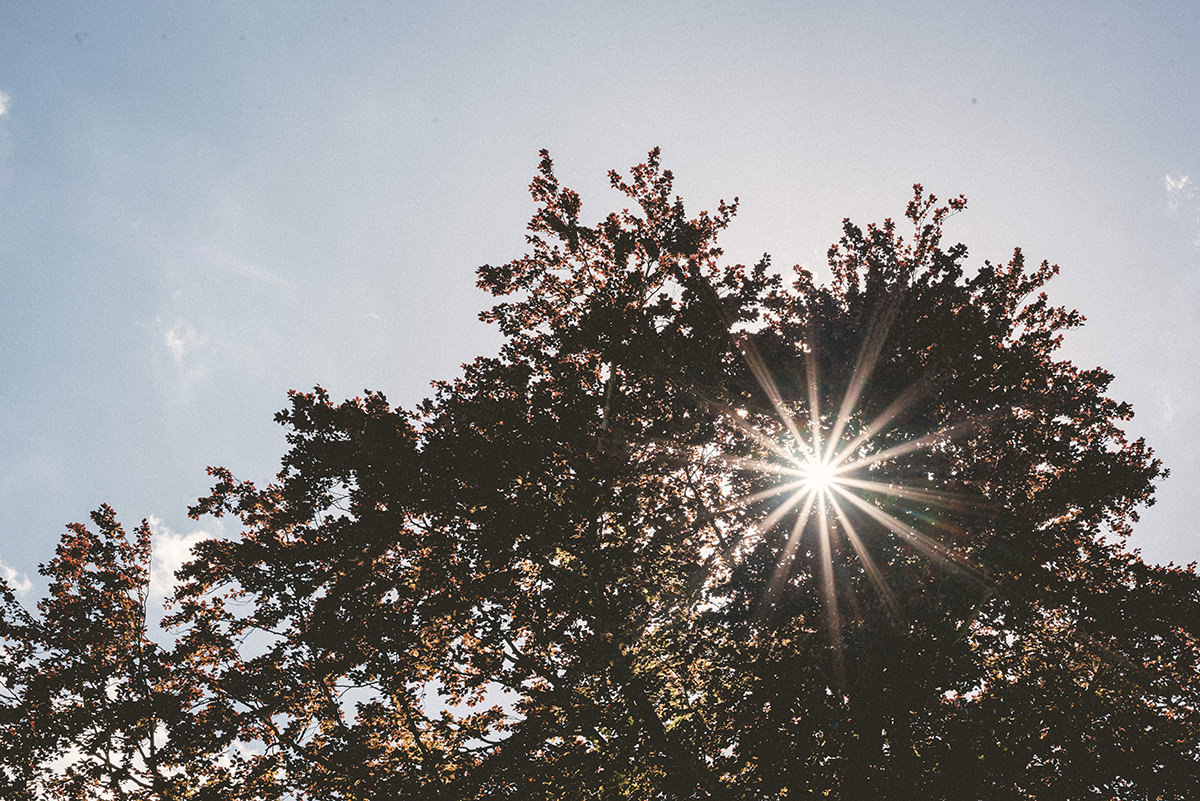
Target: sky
[{"x": 203, "y": 205}]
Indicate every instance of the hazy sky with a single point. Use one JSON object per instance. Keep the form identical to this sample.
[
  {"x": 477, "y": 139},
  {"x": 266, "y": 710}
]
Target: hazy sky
[{"x": 203, "y": 205}]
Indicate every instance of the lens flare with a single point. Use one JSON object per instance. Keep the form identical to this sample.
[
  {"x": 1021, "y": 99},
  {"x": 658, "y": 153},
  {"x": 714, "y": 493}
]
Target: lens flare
[{"x": 830, "y": 474}]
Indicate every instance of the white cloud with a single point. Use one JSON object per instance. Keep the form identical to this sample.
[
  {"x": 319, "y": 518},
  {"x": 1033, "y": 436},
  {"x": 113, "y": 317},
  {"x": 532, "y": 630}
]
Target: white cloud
[
  {"x": 1181, "y": 193},
  {"x": 185, "y": 367},
  {"x": 180, "y": 339},
  {"x": 19, "y": 582},
  {"x": 170, "y": 551},
  {"x": 1181, "y": 184},
  {"x": 4, "y": 102},
  {"x": 1180, "y": 188},
  {"x": 1168, "y": 408}
]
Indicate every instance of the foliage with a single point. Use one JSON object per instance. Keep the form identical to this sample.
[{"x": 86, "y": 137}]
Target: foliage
[
  {"x": 572, "y": 572},
  {"x": 89, "y": 706}
]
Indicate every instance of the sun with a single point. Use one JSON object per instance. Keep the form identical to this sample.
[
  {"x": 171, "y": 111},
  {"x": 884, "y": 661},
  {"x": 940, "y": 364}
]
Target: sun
[
  {"x": 818, "y": 475},
  {"x": 832, "y": 477}
]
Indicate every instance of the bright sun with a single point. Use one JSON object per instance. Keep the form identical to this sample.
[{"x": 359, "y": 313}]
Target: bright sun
[
  {"x": 823, "y": 470},
  {"x": 819, "y": 475}
]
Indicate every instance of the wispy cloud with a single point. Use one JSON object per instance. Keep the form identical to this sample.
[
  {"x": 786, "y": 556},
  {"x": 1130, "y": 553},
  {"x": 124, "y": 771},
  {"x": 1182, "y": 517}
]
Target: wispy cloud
[
  {"x": 225, "y": 261},
  {"x": 1181, "y": 198},
  {"x": 5, "y": 100},
  {"x": 1167, "y": 406},
  {"x": 180, "y": 362},
  {"x": 181, "y": 339},
  {"x": 1179, "y": 188},
  {"x": 19, "y": 582}
]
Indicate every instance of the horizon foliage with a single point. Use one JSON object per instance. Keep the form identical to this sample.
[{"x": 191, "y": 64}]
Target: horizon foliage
[{"x": 601, "y": 565}]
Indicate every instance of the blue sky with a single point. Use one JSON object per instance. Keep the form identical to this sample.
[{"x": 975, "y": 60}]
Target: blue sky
[{"x": 204, "y": 205}]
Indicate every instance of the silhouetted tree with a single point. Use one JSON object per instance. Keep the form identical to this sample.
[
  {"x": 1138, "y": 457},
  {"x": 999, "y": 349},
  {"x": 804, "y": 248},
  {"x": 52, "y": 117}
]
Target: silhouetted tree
[
  {"x": 694, "y": 533},
  {"x": 90, "y": 706}
]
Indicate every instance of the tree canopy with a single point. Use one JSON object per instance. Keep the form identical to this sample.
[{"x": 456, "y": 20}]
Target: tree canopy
[{"x": 697, "y": 531}]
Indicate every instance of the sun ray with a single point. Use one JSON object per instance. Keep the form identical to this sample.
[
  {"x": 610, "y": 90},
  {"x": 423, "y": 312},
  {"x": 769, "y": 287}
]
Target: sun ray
[
  {"x": 947, "y": 500},
  {"x": 759, "y": 466},
  {"x": 770, "y": 492},
  {"x": 767, "y": 382},
  {"x": 781, "y": 511},
  {"x": 829, "y": 589},
  {"x": 814, "y": 400},
  {"x": 864, "y": 366},
  {"x": 906, "y": 399},
  {"x": 929, "y": 546},
  {"x": 864, "y": 558},
  {"x": 784, "y": 563},
  {"x": 950, "y": 432},
  {"x": 757, "y": 435}
]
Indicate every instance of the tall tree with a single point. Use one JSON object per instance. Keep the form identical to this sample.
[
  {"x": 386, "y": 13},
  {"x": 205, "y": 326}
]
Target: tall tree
[
  {"x": 695, "y": 533},
  {"x": 703, "y": 535}
]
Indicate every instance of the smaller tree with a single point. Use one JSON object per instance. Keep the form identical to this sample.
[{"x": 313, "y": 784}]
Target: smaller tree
[{"x": 90, "y": 706}]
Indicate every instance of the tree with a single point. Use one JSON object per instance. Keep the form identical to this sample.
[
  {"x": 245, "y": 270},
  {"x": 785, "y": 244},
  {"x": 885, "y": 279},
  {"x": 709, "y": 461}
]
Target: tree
[
  {"x": 694, "y": 533},
  {"x": 90, "y": 706}
]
